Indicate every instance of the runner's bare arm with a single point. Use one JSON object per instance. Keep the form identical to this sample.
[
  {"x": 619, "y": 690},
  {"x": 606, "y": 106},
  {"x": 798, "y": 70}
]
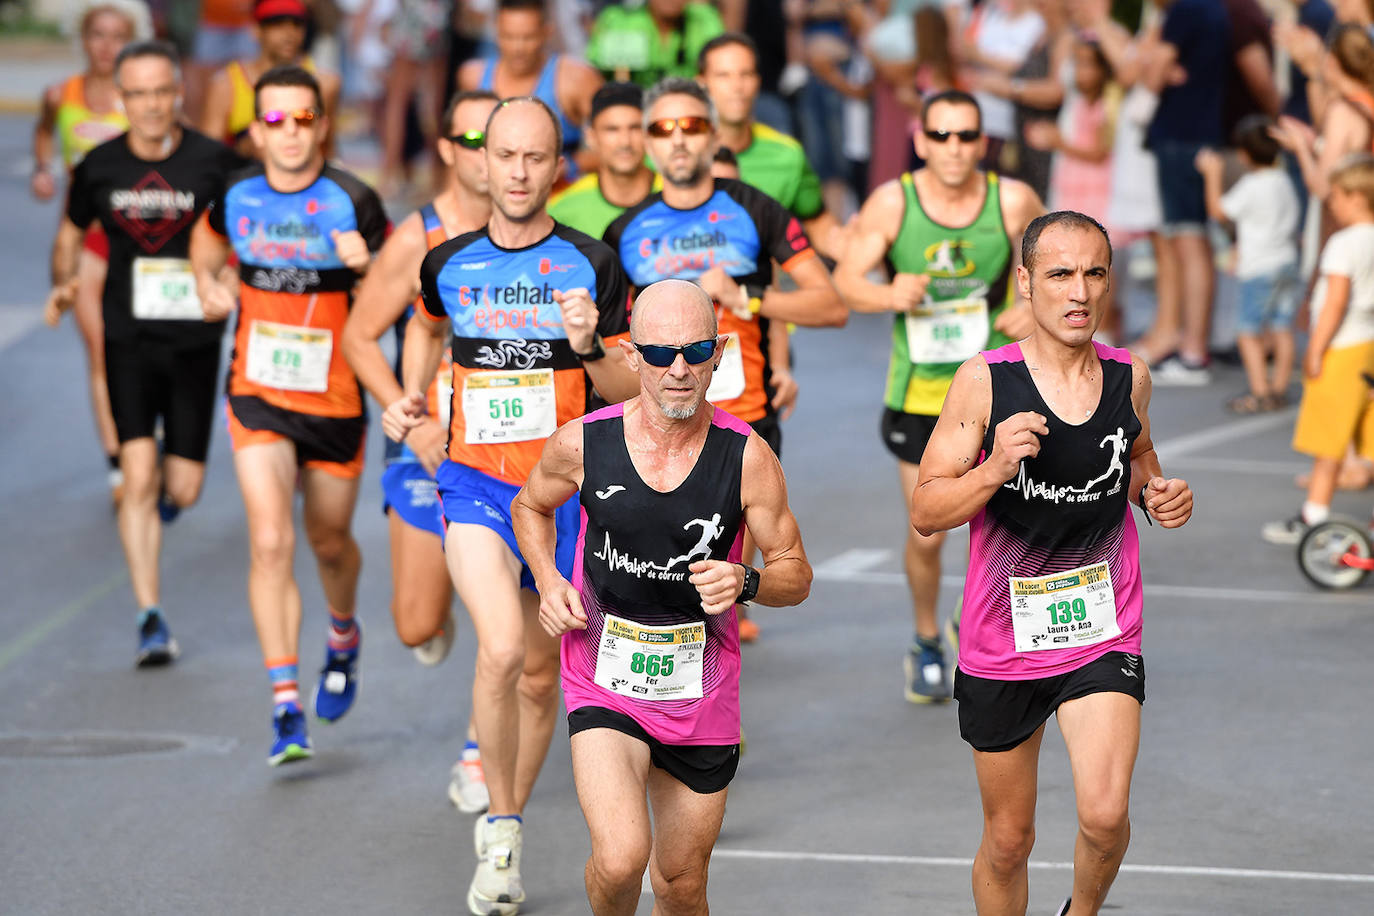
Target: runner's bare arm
[
  {"x": 1167, "y": 501},
  {"x": 554, "y": 480},
  {"x": 209, "y": 255},
  {"x": 815, "y": 303},
  {"x": 826, "y": 233},
  {"x": 42, "y": 183},
  {"x": 421, "y": 352},
  {"x": 784, "y": 385},
  {"x": 953, "y": 484},
  {"x": 785, "y": 578},
  {"x": 382, "y": 298},
  {"x": 1020, "y": 205},
  {"x": 868, "y": 241},
  {"x": 66, "y": 251},
  {"x": 331, "y": 85},
  {"x": 219, "y": 99},
  {"x": 610, "y": 375}
]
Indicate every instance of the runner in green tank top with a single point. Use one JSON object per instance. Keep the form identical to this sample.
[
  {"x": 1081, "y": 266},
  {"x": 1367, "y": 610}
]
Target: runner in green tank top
[
  {"x": 616, "y": 132},
  {"x": 950, "y": 236}
]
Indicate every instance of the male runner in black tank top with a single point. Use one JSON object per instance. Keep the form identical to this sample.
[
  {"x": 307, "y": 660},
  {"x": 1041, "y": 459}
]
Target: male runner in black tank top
[{"x": 1029, "y": 449}]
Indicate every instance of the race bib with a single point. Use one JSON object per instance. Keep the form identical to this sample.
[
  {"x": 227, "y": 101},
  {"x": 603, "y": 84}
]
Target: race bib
[
  {"x": 289, "y": 357},
  {"x": 728, "y": 381},
  {"x": 165, "y": 290},
  {"x": 1064, "y": 610},
  {"x": 947, "y": 332},
  {"x": 651, "y": 663},
  {"x": 509, "y": 406}
]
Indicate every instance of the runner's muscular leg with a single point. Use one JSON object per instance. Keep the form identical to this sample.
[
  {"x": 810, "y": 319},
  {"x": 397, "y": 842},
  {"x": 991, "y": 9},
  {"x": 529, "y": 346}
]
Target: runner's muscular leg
[
  {"x": 486, "y": 576},
  {"x": 1102, "y": 733},
  {"x": 267, "y": 479},
  {"x": 1007, "y": 782},
  {"x": 328, "y": 517},
  {"x": 611, "y": 773},
  {"x": 686, "y": 825},
  {"x": 538, "y": 693},
  {"x": 421, "y": 592},
  {"x": 90, "y": 289},
  {"x": 922, "y": 561},
  {"x": 140, "y": 527},
  {"x": 182, "y": 479}
]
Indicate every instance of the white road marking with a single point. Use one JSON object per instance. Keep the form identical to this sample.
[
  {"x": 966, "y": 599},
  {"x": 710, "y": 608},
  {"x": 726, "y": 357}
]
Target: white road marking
[
  {"x": 852, "y": 562},
  {"x": 1237, "y": 466},
  {"x": 1240, "y": 429},
  {"x": 18, "y": 320},
  {"x": 1197, "y": 871}
]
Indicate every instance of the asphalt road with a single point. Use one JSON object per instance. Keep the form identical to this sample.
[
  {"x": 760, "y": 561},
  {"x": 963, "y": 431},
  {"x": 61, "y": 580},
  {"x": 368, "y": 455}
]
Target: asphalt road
[{"x": 126, "y": 791}]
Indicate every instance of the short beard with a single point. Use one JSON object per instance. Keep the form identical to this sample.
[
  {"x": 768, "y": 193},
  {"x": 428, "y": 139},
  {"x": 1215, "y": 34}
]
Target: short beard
[
  {"x": 686, "y": 182},
  {"x": 679, "y": 413}
]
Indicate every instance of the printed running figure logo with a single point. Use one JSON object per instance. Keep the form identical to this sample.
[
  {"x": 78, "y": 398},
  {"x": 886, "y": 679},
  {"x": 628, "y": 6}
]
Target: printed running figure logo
[
  {"x": 1069, "y": 494},
  {"x": 648, "y": 569},
  {"x": 946, "y": 259}
]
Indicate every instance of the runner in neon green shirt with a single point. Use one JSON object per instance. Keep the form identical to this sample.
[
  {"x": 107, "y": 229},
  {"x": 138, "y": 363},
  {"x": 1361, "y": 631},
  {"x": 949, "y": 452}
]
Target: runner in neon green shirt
[
  {"x": 615, "y": 132},
  {"x": 646, "y": 43}
]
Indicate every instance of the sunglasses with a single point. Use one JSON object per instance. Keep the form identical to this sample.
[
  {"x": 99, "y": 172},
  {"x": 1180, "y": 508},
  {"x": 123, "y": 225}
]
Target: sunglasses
[
  {"x": 942, "y": 136},
  {"x": 304, "y": 117},
  {"x": 471, "y": 139},
  {"x": 692, "y": 126},
  {"x": 663, "y": 357}
]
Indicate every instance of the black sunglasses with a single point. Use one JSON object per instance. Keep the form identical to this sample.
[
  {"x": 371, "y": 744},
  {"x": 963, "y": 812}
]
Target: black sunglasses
[
  {"x": 472, "y": 139},
  {"x": 663, "y": 357},
  {"x": 942, "y": 136}
]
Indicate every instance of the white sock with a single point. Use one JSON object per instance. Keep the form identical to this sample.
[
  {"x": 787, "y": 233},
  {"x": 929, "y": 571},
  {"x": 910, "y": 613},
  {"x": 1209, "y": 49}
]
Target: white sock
[{"x": 1315, "y": 513}]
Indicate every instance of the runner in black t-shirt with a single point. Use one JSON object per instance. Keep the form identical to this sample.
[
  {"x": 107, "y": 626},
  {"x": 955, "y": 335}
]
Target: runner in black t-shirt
[{"x": 147, "y": 187}]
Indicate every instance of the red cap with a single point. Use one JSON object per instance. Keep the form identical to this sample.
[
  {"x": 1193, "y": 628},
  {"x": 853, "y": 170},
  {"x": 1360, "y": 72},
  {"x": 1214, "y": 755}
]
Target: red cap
[{"x": 264, "y": 10}]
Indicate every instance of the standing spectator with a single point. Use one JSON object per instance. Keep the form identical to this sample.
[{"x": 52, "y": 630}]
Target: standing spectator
[
  {"x": 1250, "y": 85},
  {"x": 1336, "y": 407},
  {"x": 828, "y": 49},
  {"x": 1188, "y": 70},
  {"x": 1264, "y": 210},
  {"x": 1081, "y": 141},
  {"x": 1314, "y": 23},
  {"x": 645, "y": 43},
  {"x": 417, "y": 37},
  {"x": 225, "y": 33},
  {"x": 1000, "y": 37}
]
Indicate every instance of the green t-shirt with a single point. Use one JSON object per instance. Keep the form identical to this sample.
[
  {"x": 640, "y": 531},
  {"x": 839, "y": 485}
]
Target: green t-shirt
[
  {"x": 582, "y": 206},
  {"x": 776, "y": 164},
  {"x": 627, "y": 39}
]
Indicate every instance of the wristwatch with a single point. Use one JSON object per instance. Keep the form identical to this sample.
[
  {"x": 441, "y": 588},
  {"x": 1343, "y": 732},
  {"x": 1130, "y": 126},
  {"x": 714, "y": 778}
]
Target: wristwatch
[
  {"x": 597, "y": 351},
  {"x": 751, "y": 584}
]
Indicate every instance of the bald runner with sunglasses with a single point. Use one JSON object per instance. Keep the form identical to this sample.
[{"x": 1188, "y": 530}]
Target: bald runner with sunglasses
[
  {"x": 950, "y": 236},
  {"x": 667, "y": 484},
  {"x": 303, "y": 233},
  {"x": 534, "y": 309}
]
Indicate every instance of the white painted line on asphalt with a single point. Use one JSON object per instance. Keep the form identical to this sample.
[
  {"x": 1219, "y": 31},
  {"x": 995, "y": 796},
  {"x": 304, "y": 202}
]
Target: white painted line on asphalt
[
  {"x": 1203, "y": 592},
  {"x": 1240, "y": 429},
  {"x": 45, "y": 625},
  {"x": 852, "y": 562},
  {"x": 18, "y": 320},
  {"x": 1237, "y": 466},
  {"x": 1198, "y": 871}
]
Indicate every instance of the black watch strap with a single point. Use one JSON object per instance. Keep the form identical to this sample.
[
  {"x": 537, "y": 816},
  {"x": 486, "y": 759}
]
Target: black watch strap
[
  {"x": 751, "y": 584},
  {"x": 597, "y": 351}
]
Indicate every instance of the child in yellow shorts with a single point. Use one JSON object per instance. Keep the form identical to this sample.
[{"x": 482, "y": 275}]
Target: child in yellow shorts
[{"x": 1339, "y": 363}]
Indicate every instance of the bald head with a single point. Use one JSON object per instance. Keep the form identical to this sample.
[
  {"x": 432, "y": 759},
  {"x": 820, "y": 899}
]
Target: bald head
[{"x": 669, "y": 309}]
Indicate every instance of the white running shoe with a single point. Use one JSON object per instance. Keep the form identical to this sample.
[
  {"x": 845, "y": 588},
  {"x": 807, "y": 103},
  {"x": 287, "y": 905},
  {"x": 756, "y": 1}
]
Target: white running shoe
[
  {"x": 435, "y": 649},
  {"x": 496, "y": 889},
  {"x": 1174, "y": 372},
  {"x": 467, "y": 785}
]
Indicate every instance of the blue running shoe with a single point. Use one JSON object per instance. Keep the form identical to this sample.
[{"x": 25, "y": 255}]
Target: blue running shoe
[
  {"x": 155, "y": 643},
  {"x": 926, "y": 676},
  {"x": 338, "y": 683},
  {"x": 291, "y": 742},
  {"x": 167, "y": 510}
]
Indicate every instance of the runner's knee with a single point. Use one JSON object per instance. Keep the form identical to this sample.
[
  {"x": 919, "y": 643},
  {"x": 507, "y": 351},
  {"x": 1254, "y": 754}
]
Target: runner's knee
[
  {"x": 681, "y": 889},
  {"x": 501, "y": 661},
  {"x": 271, "y": 545},
  {"x": 331, "y": 546},
  {"x": 618, "y": 865},
  {"x": 414, "y": 622},
  {"x": 1103, "y": 822},
  {"x": 540, "y": 686},
  {"x": 1007, "y": 844}
]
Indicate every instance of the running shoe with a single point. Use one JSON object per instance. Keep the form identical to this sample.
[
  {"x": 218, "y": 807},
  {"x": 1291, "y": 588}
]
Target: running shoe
[
  {"x": 926, "y": 677},
  {"x": 467, "y": 785},
  {"x": 496, "y": 889},
  {"x": 167, "y": 510},
  {"x": 435, "y": 649},
  {"x": 748, "y": 630},
  {"x": 1288, "y": 531},
  {"x": 1174, "y": 372},
  {"x": 290, "y": 742},
  {"x": 155, "y": 643},
  {"x": 115, "y": 479},
  {"x": 338, "y": 683}
]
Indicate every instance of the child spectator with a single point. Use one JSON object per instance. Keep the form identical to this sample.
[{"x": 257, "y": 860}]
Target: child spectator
[
  {"x": 1081, "y": 177},
  {"x": 1336, "y": 409},
  {"x": 1265, "y": 210}
]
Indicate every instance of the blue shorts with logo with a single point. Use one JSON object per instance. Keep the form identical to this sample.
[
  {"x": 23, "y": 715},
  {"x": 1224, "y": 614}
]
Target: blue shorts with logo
[
  {"x": 408, "y": 488},
  {"x": 469, "y": 497}
]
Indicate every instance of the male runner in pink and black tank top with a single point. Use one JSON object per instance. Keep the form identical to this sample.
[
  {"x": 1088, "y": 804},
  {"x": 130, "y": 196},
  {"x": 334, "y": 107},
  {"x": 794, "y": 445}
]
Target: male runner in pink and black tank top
[
  {"x": 1042, "y": 446},
  {"x": 650, "y": 653}
]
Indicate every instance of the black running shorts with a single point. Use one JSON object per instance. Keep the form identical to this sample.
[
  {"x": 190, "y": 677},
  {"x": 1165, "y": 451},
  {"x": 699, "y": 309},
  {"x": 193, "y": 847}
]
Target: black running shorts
[
  {"x": 703, "y": 768},
  {"x": 769, "y": 429},
  {"x": 148, "y": 379},
  {"x": 906, "y": 434},
  {"x": 999, "y": 715}
]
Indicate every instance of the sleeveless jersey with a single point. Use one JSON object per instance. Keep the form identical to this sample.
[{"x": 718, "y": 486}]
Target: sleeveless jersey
[
  {"x": 295, "y": 293},
  {"x": 79, "y": 129},
  {"x": 1054, "y": 560},
  {"x": 242, "y": 108},
  {"x": 515, "y": 376},
  {"x": 439, "y": 395},
  {"x": 742, "y": 230},
  {"x": 546, "y": 90},
  {"x": 663, "y": 661},
  {"x": 970, "y": 285}
]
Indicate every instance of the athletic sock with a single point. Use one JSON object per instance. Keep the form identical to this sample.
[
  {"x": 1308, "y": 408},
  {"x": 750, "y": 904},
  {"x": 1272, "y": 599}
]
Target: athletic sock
[
  {"x": 343, "y": 632},
  {"x": 114, "y": 462},
  {"x": 470, "y": 751},
  {"x": 931, "y": 643},
  {"x": 1315, "y": 513},
  {"x": 147, "y": 612},
  {"x": 283, "y": 672},
  {"x": 493, "y": 818}
]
